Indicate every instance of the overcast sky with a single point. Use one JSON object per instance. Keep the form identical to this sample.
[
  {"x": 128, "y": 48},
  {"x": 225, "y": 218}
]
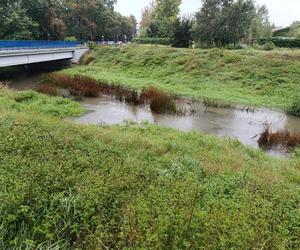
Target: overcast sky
[{"x": 282, "y": 12}]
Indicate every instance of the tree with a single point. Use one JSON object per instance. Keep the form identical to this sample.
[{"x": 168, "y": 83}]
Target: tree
[
  {"x": 159, "y": 18},
  {"x": 48, "y": 14},
  {"x": 133, "y": 24},
  {"x": 58, "y": 19},
  {"x": 147, "y": 15},
  {"x": 260, "y": 25},
  {"x": 15, "y": 23},
  {"x": 183, "y": 32},
  {"x": 165, "y": 16},
  {"x": 221, "y": 22},
  {"x": 295, "y": 29}
]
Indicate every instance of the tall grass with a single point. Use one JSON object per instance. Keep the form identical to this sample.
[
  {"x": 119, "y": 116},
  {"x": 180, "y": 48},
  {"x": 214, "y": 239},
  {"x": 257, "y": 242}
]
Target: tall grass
[
  {"x": 77, "y": 85},
  {"x": 282, "y": 138},
  {"x": 159, "y": 101}
]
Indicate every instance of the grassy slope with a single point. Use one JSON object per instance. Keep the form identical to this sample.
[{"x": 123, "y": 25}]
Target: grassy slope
[
  {"x": 246, "y": 76},
  {"x": 34, "y": 103},
  {"x": 96, "y": 187}
]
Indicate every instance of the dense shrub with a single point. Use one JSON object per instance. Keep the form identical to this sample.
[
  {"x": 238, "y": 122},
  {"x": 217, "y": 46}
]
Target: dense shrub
[
  {"x": 282, "y": 42},
  {"x": 269, "y": 46},
  {"x": 160, "y": 41},
  {"x": 237, "y": 46},
  {"x": 91, "y": 44},
  {"x": 88, "y": 58},
  {"x": 282, "y": 32}
]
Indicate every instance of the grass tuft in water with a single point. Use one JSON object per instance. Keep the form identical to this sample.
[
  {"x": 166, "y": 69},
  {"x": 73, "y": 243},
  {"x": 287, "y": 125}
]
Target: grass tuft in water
[
  {"x": 159, "y": 101},
  {"x": 280, "y": 138}
]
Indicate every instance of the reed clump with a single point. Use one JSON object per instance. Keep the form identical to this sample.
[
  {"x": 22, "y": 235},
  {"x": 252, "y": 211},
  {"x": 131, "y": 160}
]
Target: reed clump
[
  {"x": 159, "y": 101},
  {"x": 4, "y": 85},
  {"x": 77, "y": 85},
  {"x": 48, "y": 89},
  {"x": 280, "y": 138}
]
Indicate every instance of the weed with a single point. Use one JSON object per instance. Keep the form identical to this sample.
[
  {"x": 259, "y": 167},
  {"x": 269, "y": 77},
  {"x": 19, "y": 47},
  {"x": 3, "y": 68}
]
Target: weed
[
  {"x": 159, "y": 101},
  {"x": 4, "y": 85},
  {"x": 282, "y": 138},
  {"x": 48, "y": 89}
]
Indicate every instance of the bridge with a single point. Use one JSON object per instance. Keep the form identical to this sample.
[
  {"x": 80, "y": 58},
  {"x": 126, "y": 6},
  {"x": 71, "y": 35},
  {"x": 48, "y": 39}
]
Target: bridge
[{"x": 13, "y": 53}]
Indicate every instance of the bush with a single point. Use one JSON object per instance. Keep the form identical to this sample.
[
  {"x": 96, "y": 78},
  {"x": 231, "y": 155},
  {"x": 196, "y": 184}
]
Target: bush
[
  {"x": 282, "y": 42},
  {"x": 233, "y": 46},
  {"x": 282, "y": 32},
  {"x": 269, "y": 46},
  {"x": 71, "y": 39},
  {"x": 91, "y": 44},
  {"x": 87, "y": 58},
  {"x": 160, "y": 41}
]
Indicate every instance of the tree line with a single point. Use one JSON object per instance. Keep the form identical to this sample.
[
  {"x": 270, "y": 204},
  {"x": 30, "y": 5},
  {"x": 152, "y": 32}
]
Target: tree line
[
  {"x": 217, "y": 23},
  {"x": 59, "y": 19}
]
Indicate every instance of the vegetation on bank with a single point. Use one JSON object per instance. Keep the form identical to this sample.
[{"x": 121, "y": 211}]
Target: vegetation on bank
[
  {"x": 36, "y": 104},
  {"x": 136, "y": 187},
  {"x": 252, "y": 77}
]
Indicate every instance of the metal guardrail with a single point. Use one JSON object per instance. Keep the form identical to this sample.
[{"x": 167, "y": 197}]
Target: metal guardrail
[{"x": 34, "y": 45}]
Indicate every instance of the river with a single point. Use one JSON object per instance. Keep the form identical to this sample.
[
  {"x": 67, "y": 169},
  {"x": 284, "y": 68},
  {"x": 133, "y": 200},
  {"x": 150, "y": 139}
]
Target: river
[{"x": 226, "y": 122}]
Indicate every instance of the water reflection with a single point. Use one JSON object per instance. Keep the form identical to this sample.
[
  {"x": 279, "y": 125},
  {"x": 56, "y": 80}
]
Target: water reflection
[{"x": 226, "y": 122}]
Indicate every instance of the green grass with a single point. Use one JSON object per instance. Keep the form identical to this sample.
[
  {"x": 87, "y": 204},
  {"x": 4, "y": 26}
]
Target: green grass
[
  {"x": 249, "y": 77},
  {"x": 32, "y": 102},
  {"x": 66, "y": 186}
]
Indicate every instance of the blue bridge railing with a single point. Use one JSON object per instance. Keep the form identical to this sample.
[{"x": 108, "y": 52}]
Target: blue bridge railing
[{"x": 19, "y": 45}]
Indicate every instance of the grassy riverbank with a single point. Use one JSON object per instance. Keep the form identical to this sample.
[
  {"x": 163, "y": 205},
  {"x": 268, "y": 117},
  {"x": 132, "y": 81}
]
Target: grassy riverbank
[
  {"x": 252, "y": 77},
  {"x": 128, "y": 187}
]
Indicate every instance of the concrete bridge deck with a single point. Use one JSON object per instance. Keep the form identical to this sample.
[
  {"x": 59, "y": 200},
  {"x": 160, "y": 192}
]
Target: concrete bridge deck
[{"x": 13, "y": 56}]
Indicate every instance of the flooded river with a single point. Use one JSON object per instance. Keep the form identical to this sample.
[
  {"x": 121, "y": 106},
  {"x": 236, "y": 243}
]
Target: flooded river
[{"x": 226, "y": 122}]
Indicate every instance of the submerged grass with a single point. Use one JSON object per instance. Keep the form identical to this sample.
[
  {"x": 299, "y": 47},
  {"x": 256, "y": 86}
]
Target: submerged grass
[
  {"x": 248, "y": 77},
  {"x": 68, "y": 186}
]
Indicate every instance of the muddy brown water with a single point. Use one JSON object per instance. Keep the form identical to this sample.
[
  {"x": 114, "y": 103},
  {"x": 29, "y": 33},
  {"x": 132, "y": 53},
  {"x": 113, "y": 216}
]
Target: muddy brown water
[{"x": 225, "y": 122}]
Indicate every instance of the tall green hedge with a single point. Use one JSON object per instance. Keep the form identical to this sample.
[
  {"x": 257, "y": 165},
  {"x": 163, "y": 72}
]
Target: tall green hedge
[
  {"x": 161, "y": 41},
  {"x": 282, "y": 32},
  {"x": 282, "y": 42}
]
